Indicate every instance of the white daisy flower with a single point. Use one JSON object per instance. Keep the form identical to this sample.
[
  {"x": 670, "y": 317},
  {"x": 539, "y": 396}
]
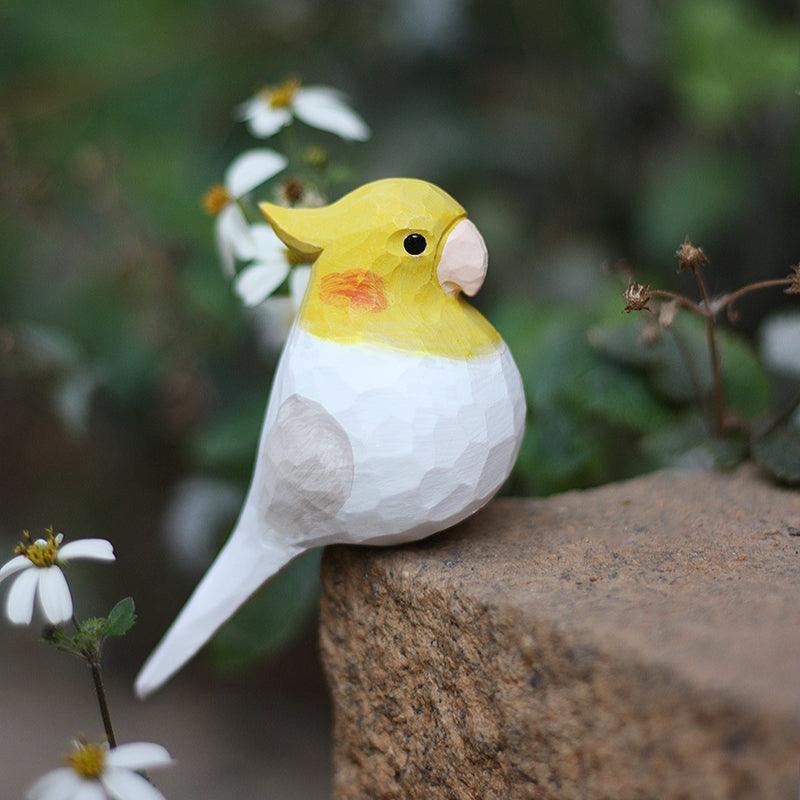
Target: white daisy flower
[
  {"x": 320, "y": 107},
  {"x": 246, "y": 172},
  {"x": 97, "y": 773},
  {"x": 38, "y": 562},
  {"x": 272, "y": 262}
]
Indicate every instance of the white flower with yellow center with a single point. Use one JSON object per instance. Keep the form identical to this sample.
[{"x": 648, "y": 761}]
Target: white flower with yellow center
[
  {"x": 320, "y": 107},
  {"x": 246, "y": 172},
  {"x": 271, "y": 263},
  {"x": 97, "y": 773},
  {"x": 38, "y": 562}
]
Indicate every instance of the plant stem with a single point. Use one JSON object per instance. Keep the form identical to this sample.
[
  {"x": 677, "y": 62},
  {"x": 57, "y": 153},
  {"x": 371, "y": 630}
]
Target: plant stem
[
  {"x": 97, "y": 677},
  {"x": 93, "y": 660},
  {"x": 683, "y": 302},
  {"x": 729, "y": 299},
  {"x": 713, "y": 350}
]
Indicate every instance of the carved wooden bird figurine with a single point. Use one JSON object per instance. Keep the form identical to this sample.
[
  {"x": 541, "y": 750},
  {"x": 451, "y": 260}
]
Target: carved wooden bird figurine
[{"x": 396, "y": 409}]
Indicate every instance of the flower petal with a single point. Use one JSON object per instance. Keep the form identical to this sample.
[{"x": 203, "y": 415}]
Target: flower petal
[
  {"x": 265, "y": 121},
  {"x": 234, "y": 239},
  {"x": 256, "y": 283},
  {"x": 15, "y": 565},
  {"x": 54, "y": 595},
  {"x": 298, "y": 282},
  {"x": 246, "y": 110},
  {"x": 251, "y": 169},
  {"x": 19, "y": 603},
  {"x": 267, "y": 245},
  {"x": 94, "y": 549},
  {"x": 324, "y": 94},
  {"x": 56, "y": 785},
  {"x": 139, "y": 755},
  {"x": 126, "y": 785},
  {"x": 325, "y": 109},
  {"x": 89, "y": 790}
]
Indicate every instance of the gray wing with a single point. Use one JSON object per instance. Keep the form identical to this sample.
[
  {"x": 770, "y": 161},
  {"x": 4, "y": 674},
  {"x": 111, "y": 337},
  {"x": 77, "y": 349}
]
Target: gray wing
[
  {"x": 303, "y": 476},
  {"x": 307, "y": 465}
]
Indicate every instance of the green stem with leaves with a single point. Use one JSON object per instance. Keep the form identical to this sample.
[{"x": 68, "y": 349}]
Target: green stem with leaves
[
  {"x": 713, "y": 354},
  {"x": 87, "y": 644},
  {"x": 91, "y": 654}
]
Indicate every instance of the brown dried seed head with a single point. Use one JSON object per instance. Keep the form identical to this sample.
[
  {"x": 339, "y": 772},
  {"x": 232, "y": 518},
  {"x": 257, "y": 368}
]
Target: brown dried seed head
[
  {"x": 794, "y": 277},
  {"x": 637, "y": 296},
  {"x": 292, "y": 190},
  {"x": 690, "y": 257}
]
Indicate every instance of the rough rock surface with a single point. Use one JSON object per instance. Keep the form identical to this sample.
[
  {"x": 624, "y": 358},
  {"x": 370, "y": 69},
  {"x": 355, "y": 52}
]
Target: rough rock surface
[{"x": 641, "y": 640}]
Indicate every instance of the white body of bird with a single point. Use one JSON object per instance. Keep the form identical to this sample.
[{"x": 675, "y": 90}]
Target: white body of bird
[{"x": 363, "y": 444}]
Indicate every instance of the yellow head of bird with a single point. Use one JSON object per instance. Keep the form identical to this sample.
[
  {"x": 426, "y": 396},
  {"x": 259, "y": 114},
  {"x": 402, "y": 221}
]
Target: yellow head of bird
[{"x": 390, "y": 261}]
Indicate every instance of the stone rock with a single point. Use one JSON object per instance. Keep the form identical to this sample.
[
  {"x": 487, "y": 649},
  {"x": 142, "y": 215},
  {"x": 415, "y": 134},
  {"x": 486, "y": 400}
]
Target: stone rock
[{"x": 641, "y": 640}]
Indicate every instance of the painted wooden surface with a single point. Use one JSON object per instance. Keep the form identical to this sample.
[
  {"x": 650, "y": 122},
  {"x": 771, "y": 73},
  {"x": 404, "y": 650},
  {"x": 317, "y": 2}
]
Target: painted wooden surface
[{"x": 396, "y": 411}]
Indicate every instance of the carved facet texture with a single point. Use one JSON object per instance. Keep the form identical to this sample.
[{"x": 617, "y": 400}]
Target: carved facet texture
[
  {"x": 396, "y": 410},
  {"x": 432, "y": 438}
]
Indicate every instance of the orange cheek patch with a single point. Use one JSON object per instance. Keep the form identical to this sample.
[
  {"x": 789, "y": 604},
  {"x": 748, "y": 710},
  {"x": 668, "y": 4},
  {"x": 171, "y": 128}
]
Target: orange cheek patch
[{"x": 356, "y": 288}]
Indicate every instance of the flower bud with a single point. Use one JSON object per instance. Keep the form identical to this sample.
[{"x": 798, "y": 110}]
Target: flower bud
[
  {"x": 637, "y": 296},
  {"x": 690, "y": 257}
]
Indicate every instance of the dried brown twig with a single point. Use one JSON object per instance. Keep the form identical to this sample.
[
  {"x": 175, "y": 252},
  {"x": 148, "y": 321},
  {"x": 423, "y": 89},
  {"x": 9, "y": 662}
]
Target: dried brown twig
[{"x": 693, "y": 259}]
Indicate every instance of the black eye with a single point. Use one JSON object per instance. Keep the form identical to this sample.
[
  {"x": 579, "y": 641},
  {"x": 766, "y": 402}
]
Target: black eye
[{"x": 415, "y": 244}]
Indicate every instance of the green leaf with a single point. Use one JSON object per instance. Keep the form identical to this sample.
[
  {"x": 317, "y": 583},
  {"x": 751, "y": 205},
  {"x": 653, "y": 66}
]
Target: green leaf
[
  {"x": 229, "y": 441},
  {"x": 688, "y": 444},
  {"x": 57, "y": 636},
  {"x": 779, "y": 453},
  {"x": 621, "y": 398},
  {"x": 273, "y": 617},
  {"x": 745, "y": 381},
  {"x": 551, "y": 349},
  {"x": 622, "y": 341},
  {"x": 121, "y": 618},
  {"x": 559, "y": 452},
  {"x": 679, "y": 363},
  {"x": 676, "y": 362}
]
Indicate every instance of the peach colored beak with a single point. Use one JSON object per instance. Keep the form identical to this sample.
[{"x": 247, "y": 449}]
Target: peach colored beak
[{"x": 464, "y": 260}]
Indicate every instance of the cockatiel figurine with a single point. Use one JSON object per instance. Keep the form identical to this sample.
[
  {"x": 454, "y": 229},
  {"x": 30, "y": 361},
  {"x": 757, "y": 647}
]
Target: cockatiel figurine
[{"x": 396, "y": 410}]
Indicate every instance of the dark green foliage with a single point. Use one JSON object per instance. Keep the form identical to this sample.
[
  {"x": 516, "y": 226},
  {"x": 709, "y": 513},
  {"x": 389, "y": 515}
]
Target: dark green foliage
[
  {"x": 273, "y": 617},
  {"x": 575, "y": 134},
  {"x": 779, "y": 452},
  {"x": 611, "y": 395}
]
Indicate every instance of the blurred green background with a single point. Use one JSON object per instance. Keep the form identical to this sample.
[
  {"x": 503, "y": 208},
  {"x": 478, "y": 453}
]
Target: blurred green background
[{"x": 579, "y": 135}]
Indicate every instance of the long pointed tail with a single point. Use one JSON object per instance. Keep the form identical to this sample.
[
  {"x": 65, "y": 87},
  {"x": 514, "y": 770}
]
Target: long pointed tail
[{"x": 243, "y": 565}]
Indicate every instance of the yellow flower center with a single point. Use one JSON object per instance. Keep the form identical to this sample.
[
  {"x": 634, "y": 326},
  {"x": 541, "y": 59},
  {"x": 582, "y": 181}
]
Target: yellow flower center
[
  {"x": 215, "y": 199},
  {"x": 88, "y": 760},
  {"x": 281, "y": 96},
  {"x": 316, "y": 156},
  {"x": 42, "y": 552}
]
